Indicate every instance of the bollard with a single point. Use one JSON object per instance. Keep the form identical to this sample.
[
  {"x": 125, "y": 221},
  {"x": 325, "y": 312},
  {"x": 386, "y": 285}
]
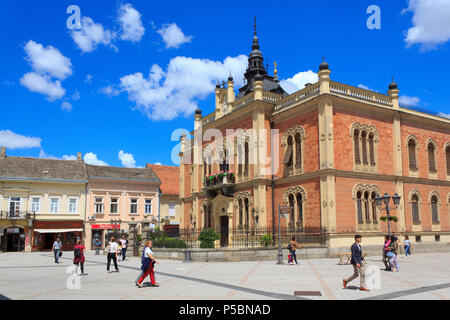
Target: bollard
[{"x": 187, "y": 256}]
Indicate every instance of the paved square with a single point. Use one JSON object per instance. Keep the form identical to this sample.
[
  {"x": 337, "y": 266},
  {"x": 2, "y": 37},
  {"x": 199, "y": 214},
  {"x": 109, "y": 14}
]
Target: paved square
[{"x": 36, "y": 276}]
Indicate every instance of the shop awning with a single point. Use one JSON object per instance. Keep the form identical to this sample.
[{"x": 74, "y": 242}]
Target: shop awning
[{"x": 56, "y": 230}]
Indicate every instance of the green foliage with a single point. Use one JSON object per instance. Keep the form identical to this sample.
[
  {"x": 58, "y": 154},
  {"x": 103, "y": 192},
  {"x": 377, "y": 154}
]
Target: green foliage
[
  {"x": 207, "y": 238},
  {"x": 160, "y": 240},
  {"x": 391, "y": 218},
  {"x": 266, "y": 240}
]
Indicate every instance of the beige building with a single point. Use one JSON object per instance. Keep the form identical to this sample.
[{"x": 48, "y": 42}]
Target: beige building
[
  {"x": 41, "y": 199},
  {"x": 170, "y": 202},
  {"x": 117, "y": 196}
]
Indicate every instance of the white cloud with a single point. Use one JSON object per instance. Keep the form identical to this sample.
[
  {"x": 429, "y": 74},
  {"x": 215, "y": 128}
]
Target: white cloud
[
  {"x": 44, "y": 155},
  {"x": 66, "y": 106},
  {"x": 408, "y": 101},
  {"x": 91, "y": 35},
  {"x": 444, "y": 115},
  {"x": 431, "y": 23},
  {"x": 173, "y": 36},
  {"x": 167, "y": 94},
  {"x": 110, "y": 91},
  {"x": 91, "y": 158},
  {"x": 76, "y": 96},
  {"x": 127, "y": 159},
  {"x": 131, "y": 27},
  {"x": 158, "y": 163},
  {"x": 70, "y": 157},
  {"x": 298, "y": 81},
  {"x": 13, "y": 140},
  {"x": 88, "y": 78},
  {"x": 362, "y": 86},
  {"x": 44, "y": 85},
  {"x": 48, "y": 60}
]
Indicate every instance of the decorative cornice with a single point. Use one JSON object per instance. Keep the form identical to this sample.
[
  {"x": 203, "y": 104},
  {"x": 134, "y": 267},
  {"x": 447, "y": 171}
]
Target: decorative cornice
[
  {"x": 242, "y": 195},
  {"x": 364, "y": 127},
  {"x": 364, "y": 188},
  {"x": 292, "y": 132},
  {"x": 294, "y": 190},
  {"x": 434, "y": 193}
]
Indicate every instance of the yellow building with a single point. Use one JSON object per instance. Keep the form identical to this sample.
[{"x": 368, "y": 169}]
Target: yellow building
[{"x": 41, "y": 199}]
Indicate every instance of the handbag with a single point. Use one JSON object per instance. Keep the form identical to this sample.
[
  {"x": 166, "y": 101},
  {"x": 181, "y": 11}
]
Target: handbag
[
  {"x": 289, "y": 247},
  {"x": 60, "y": 253}
]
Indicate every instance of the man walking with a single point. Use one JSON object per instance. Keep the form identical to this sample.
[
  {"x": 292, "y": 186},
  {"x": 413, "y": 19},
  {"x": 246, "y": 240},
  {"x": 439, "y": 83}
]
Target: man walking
[
  {"x": 356, "y": 261},
  {"x": 57, "y": 245},
  {"x": 123, "y": 243}
]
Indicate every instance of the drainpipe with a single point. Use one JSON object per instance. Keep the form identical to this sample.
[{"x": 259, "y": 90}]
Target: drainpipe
[
  {"x": 85, "y": 211},
  {"x": 272, "y": 125},
  {"x": 159, "y": 208}
]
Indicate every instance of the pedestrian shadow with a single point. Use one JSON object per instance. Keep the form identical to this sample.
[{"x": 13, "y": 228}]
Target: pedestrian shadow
[{"x": 352, "y": 288}]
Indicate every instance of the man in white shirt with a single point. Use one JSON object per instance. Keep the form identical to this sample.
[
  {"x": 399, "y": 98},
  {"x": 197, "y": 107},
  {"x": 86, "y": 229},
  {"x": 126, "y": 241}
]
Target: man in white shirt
[{"x": 112, "y": 254}]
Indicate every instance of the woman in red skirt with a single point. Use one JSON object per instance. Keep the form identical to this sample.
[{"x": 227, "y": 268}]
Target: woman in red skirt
[
  {"x": 78, "y": 259},
  {"x": 148, "y": 262}
]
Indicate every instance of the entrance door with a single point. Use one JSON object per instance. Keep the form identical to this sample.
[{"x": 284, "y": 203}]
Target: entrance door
[
  {"x": 224, "y": 231},
  {"x": 15, "y": 241}
]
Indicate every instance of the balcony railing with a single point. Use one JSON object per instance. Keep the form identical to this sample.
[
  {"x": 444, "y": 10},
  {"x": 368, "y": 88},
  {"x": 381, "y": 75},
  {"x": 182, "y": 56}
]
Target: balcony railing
[
  {"x": 17, "y": 215},
  {"x": 219, "y": 179}
]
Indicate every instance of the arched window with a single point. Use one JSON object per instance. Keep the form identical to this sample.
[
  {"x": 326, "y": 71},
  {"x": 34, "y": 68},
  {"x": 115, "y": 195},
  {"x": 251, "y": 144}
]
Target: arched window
[
  {"x": 288, "y": 157},
  {"x": 364, "y": 147},
  {"x": 359, "y": 206},
  {"x": 298, "y": 151},
  {"x": 240, "y": 160},
  {"x": 412, "y": 154},
  {"x": 434, "y": 209},
  {"x": 415, "y": 208},
  {"x": 240, "y": 212},
  {"x": 371, "y": 150},
  {"x": 247, "y": 217},
  {"x": 366, "y": 206},
  {"x": 291, "y": 204},
  {"x": 374, "y": 207},
  {"x": 247, "y": 164},
  {"x": 431, "y": 158},
  {"x": 300, "y": 208},
  {"x": 447, "y": 155},
  {"x": 204, "y": 168},
  {"x": 356, "y": 143}
]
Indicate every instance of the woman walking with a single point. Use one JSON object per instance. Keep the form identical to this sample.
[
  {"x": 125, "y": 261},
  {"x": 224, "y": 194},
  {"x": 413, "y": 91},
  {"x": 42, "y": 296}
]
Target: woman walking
[
  {"x": 387, "y": 241},
  {"x": 294, "y": 246},
  {"x": 392, "y": 254},
  {"x": 123, "y": 243},
  {"x": 148, "y": 263},
  {"x": 78, "y": 259},
  {"x": 407, "y": 245},
  {"x": 112, "y": 254}
]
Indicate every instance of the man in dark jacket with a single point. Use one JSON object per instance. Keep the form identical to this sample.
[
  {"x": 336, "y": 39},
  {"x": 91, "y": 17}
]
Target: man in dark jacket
[{"x": 356, "y": 261}]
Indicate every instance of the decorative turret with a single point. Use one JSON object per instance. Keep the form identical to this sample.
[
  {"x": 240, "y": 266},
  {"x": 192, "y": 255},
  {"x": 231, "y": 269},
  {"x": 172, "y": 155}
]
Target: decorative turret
[
  {"x": 324, "y": 77},
  {"x": 393, "y": 92}
]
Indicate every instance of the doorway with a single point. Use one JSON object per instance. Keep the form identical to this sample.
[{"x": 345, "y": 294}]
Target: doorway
[
  {"x": 13, "y": 240},
  {"x": 224, "y": 231}
]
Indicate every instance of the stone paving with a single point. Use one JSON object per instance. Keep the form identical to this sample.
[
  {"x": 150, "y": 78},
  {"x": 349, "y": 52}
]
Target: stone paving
[{"x": 36, "y": 276}]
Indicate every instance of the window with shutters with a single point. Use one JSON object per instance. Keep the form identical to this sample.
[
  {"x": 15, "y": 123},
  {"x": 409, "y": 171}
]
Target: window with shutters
[
  {"x": 292, "y": 213},
  {"x": 247, "y": 160},
  {"x": 300, "y": 208},
  {"x": 359, "y": 207},
  {"x": 366, "y": 206},
  {"x": 364, "y": 147},
  {"x": 356, "y": 147},
  {"x": 374, "y": 207},
  {"x": 365, "y": 140},
  {"x": 371, "y": 149},
  {"x": 412, "y": 154},
  {"x": 298, "y": 152},
  {"x": 431, "y": 158},
  {"x": 241, "y": 207},
  {"x": 434, "y": 209},
  {"x": 288, "y": 158},
  {"x": 447, "y": 156},
  {"x": 415, "y": 209}
]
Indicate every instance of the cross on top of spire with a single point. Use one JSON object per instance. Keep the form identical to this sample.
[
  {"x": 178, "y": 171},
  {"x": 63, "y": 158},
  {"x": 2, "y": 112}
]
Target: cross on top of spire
[{"x": 254, "y": 27}]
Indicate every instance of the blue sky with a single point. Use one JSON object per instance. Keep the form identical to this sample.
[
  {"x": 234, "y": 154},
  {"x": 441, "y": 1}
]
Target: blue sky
[{"x": 128, "y": 87}]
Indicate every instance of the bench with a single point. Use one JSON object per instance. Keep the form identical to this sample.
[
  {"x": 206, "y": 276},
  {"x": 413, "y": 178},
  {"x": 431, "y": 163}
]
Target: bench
[{"x": 346, "y": 257}]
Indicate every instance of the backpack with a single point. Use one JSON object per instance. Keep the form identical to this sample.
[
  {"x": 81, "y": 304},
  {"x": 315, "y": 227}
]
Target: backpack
[
  {"x": 77, "y": 252},
  {"x": 289, "y": 247}
]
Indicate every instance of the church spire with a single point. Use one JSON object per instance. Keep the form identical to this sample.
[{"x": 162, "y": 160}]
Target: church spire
[{"x": 255, "y": 60}]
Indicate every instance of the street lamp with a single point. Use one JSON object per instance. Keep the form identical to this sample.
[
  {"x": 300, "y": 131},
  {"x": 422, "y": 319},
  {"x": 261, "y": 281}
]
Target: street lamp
[{"x": 386, "y": 199}]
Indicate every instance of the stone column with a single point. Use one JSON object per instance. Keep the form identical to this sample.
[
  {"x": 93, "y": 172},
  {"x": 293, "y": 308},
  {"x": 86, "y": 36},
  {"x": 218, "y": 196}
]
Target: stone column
[{"x": 132, "y": 238}]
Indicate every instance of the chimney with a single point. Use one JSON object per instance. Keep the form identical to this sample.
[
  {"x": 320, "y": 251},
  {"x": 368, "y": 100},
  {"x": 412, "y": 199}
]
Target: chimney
[
  {"x": 79, "y": 158},
  {"x": 3, "y": 153}
]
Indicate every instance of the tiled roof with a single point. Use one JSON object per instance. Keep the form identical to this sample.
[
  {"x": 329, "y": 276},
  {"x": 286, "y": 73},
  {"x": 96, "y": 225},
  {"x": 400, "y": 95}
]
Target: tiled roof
[
  {"x": 42, "y": 169},
  {"x": 119, "y": 173},
  {"x": 169, "y": 176}
]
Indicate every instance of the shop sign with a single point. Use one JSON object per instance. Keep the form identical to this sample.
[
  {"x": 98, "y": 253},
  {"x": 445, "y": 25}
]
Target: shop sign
[{"x": 105, "y": 226}]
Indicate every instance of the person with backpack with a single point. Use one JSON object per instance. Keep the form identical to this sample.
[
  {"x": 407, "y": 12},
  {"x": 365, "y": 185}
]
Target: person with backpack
[
  {"x": 392, "y": 254},
  {"x": 124, "y": 244},
  {"x": 293, "y": 245},
  {"x": 78, "y": 259},
  {"x": 387, "y": 241},
  {"x": 148, "y": 262}
]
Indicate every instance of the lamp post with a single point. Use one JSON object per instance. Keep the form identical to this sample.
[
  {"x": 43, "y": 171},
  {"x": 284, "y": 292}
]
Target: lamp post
[
  {"x": 386, "y": 199},
  {"x": 280, "y": 252}
]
